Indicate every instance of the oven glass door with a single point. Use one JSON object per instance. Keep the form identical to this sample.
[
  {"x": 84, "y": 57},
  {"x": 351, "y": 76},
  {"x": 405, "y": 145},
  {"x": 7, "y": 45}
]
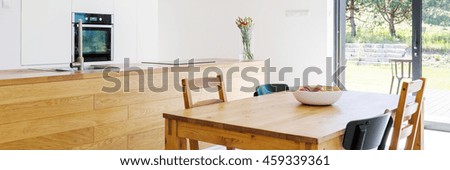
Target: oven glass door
[{"x": 96, "y": 44}]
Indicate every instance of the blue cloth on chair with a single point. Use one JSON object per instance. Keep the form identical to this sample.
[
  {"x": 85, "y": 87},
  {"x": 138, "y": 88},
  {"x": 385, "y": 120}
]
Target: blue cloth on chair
[{"x": 270, "y": 88}]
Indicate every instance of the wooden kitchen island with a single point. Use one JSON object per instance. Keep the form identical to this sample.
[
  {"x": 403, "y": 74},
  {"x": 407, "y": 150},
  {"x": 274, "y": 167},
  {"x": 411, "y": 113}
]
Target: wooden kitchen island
[{"x": 69, "y": 110}]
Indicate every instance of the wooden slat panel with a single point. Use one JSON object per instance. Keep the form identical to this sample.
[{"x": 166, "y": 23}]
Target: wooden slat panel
[
  {"x": 64, "y": 140},
  {"x": 135, "y": 83},
  {"x": 127, "y": 127},
  {"x": 155, "y": 108},
  {"x": 151, "y": 140},
  {"x": 234, "y": 139},
  {"x": 118, "y": 143},
  {"x": 105, "y": 100},
  {"x": 41, "y": 127},
  {"x": 14, "y": 94},
  {"x": 45, "y": 108},
  {"x": 44, "y": 91},
  {"x": 200, "y": 83}
]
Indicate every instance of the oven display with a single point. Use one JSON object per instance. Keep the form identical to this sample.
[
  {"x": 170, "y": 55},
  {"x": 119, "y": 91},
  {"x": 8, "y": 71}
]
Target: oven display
[{"x": 93, "y": 19}]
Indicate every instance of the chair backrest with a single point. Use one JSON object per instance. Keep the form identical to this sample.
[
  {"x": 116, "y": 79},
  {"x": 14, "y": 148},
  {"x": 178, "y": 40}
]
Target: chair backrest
[
  {"x": 270, "y": 88},
  {"x": 365, "y": 134},
  {"x": 407, "y": 116},
  {"x": 386, "y": 133},
  {"x": 398, "y": 65},
  {"x": 202, "y": 83}
]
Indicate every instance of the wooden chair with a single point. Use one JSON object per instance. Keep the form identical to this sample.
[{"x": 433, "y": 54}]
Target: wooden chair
[
  {"x": 398, "y": 71},
  {"x": 197, "y": 84},
  {"x": 408, "y": 116},
  {"x": 202, "y": 83}
]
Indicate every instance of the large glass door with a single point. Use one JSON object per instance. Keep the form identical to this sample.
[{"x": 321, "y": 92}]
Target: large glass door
[
  {"x": 378, "y": 49},
  {"x": 435, "y": 53},
  {"x": 389, "y": 42}
]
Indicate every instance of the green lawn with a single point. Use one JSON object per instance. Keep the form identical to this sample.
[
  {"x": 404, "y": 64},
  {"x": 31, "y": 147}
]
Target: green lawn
[
  {"x": 435, "y": 38},
  {"x": 378, "y": 78}
]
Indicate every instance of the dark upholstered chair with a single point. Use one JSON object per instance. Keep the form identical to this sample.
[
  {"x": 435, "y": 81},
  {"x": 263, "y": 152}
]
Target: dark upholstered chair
[{"x": 270, "y": 88}]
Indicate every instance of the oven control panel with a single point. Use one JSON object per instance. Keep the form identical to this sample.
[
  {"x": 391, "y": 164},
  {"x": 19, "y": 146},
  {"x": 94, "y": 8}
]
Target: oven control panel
[{"x": 95, "y": 19}]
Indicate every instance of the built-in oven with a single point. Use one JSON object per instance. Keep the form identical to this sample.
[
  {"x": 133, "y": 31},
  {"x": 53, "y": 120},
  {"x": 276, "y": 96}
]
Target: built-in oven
[{"x": 97, "y": 36}]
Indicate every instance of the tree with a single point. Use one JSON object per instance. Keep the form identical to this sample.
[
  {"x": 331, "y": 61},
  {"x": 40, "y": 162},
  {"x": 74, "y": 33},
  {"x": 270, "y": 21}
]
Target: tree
[
  {"x": 354, "y": 10},
  {"x": 394, "y": 12},
  {"x": 351, "y": 9},
  {"x": 436, "y": 12}
]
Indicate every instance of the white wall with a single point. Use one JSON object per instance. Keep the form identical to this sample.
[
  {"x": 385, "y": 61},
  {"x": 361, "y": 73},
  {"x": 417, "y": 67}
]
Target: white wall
[
  {"x": 201, "y": 29},
  {"x": 134, "y": 17},
  {"x": 10, "y": 36},
  {"x": 206, "y": 28},
  {"x": 147, "y": 30},
  {"x": 94, "y": 6},
  {"x": 125, "y": 22}
]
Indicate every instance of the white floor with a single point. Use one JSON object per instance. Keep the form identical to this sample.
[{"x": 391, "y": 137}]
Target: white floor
[{"x": 435, "y": 140}]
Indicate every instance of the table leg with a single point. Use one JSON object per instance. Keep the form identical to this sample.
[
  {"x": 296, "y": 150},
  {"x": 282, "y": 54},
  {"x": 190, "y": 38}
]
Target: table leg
[
  {"x": 172, "y": 141},
  {"x": 193, "y": 144}
]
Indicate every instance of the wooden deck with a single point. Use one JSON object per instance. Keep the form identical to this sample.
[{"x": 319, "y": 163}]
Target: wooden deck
[{"x": 437, "y": 105}]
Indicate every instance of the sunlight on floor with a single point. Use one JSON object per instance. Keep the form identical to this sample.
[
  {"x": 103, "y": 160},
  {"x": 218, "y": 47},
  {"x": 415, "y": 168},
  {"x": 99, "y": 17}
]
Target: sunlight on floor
[{"x": 435, "y": 140}]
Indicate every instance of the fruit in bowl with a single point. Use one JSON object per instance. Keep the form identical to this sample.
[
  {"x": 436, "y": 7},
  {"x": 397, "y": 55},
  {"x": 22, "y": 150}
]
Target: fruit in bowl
[{"x": 318, "y": 95}]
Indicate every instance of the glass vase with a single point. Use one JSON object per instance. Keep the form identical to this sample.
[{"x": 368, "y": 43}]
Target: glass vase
[{"x": 247, "y": 50}]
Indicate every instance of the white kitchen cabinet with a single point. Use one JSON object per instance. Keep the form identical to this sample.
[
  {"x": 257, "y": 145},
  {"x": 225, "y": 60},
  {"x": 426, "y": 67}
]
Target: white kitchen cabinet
[
  {"x": 125, "y": 31},
  {"x": 93, "y": 6},
  {"x": 147, "y": 30},
  {"x": 46, "y": 32}
]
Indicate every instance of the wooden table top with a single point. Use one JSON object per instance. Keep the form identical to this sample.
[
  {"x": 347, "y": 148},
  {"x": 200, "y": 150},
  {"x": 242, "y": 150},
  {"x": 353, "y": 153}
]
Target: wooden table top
[{"x": 280, "y": 115}]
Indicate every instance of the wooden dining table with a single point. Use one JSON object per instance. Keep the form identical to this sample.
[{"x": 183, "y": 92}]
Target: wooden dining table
[{"x": 276, "y": 121}]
